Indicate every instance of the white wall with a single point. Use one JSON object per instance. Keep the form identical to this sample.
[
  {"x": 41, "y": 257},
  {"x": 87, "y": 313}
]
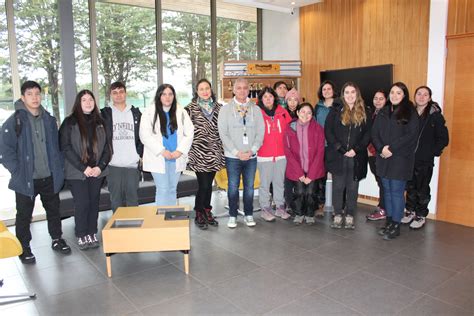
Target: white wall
[{"x": 281, "y": 35}]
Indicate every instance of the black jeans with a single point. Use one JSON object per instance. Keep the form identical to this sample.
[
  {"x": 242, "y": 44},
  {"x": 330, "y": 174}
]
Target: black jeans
[
  {"x": 346, "y": 182},
  {"x": 86, "y": 195},
  {"x": 373, "y": 169},
  {"x": 24, "y": 210},
  {"x": 321, "y": 190},
  {"x": 418, "y": 189},
  {"x": 288, "y": 193},
  {"x": 305, "y": 198},
  {"x": 204, "y": 193}
]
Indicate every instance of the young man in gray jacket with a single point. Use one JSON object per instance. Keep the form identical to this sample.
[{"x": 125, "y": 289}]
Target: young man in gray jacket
[
  {"x": 241, "y": 129},
  {"x": 29, "y": 149}
]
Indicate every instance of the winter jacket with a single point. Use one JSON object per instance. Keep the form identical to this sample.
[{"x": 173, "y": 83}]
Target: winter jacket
[
  {"x": 321, "y": 111},
  {"x": 106, "y": 114},
  {"x": 71, "y": 146},
  {"x": 401, "y": 139},
  {"x": 432, "y": 135},
  {"x": 275, "y": 128},
  {"x": 16, "y": 150},
  {"x": 207, "y": 153},
  {"x": 153, "y": 160},
  {"x": 341, "y": 139},
  {"x": 294, "y": 171}
]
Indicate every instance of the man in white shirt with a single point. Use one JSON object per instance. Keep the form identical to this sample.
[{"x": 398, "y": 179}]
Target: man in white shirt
[{"x": 123, "y": 124}]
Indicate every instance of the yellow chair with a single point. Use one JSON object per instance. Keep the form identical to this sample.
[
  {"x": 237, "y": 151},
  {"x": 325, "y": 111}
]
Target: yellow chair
[{"x": 10, "y": 247}]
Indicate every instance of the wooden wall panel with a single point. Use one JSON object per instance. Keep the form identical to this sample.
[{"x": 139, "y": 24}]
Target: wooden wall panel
[
  {"x": 460, "y": 17},
  {"x": 340, "y": 34},
  {"x": 456, "y": 188}
]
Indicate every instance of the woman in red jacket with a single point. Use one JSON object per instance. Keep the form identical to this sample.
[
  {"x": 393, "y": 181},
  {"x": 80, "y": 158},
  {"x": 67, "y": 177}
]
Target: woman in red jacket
[
  {"x": 271, "y": 161},
  {"x": 304, "y": 150}
]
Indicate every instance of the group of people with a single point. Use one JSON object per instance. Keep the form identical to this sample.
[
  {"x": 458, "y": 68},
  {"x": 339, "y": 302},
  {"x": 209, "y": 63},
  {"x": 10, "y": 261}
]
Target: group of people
[{"x": 294, "y": 146}]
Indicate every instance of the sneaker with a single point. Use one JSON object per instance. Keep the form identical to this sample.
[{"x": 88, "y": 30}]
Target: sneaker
[
  {"x": 82, "y": 243},
  {"x": 392, "y": 232},
  {"x": 418, "y": 222},
  {"x": 27, "y": 257},
  {"x": 232, "y": 223},
  {"x": 267, "y": 215},
  {"x": 377, "y": 215},
  {"x": 298, "y": 219},
  {"x": 281, "y": 212},
  {"x": 61, "y": 246},
  {"x": 337, "y": 221},
  {"x": 250, "y": 221},
  {"x": 349, "y": 222},
  {"x": 408, "y": 218},
  {"x": 309, "y": 220},
  {"x": 93, "y": 241}
]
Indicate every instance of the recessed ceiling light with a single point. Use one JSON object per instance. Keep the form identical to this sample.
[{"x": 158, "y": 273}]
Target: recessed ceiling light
[{"x": 293, "y": 3}]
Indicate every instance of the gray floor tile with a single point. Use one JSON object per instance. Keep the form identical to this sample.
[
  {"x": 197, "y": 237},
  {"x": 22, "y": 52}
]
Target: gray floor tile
[
  {"x": 311, "y": 270},
  {"x": 352, "y": 252},
  {"x": 447, "y": 255},
  {"x": 199, "y": 247},
  {"x": 100, "y": 299},
  {"x": 216, "y": 266},
  {"x": 259, "y": 291},
  {"x": 313, "y": 304},
  {"x": 430, "y": 306},
  {"x": 62, "y": 278},
  {"x": 410, "y": 272},
  {"x": 200, "y": 302},
  {"x": 156, "y": 285},
  {"x": 370, "y": 294},
  {"x": 458, "y": 290}
]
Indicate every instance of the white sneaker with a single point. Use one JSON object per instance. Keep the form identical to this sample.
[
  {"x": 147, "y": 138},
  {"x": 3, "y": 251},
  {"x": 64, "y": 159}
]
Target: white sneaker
[
  {"x": 408, "y": 218},
  {"x": 232, "y": 223},
  {"x": 418, "y": 222},
  {"x": 250, "y": 221}
]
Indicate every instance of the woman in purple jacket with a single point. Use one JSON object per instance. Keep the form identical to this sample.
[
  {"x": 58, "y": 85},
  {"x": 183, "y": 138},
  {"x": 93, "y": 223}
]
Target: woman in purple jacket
[{"x": 304, "y": 150}]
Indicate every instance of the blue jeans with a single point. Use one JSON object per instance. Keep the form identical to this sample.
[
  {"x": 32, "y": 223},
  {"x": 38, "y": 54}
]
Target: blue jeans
[
  {"x": 166, "y": 184},
  {"x": 394, "y": 198},
  {"x": 235, "y": 168}
]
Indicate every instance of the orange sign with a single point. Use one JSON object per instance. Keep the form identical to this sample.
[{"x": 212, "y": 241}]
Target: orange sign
[{"x": 263, "y": 69}]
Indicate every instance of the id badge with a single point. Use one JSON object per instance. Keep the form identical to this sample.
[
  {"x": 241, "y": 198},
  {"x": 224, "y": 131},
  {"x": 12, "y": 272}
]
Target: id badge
[{"x": 245, "y": 140}]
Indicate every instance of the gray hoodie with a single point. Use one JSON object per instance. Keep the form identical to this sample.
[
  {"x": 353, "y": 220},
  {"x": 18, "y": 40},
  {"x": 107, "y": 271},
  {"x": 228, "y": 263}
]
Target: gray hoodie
[
  {"x": 232, "y": 129},
  {"x": 41, "y": 166}
]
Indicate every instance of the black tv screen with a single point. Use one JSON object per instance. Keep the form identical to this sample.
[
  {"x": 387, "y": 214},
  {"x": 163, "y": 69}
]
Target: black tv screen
[{"x": 369, "y": 79}]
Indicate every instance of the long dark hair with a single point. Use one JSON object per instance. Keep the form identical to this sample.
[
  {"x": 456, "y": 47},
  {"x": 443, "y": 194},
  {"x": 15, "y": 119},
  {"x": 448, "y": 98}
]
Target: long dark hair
[
  {"x": 195, "y": 94},
  {"x": 272, "y": 92},
  {"x": 78, "y": 114},
  {"x": 405, "y": 107},
  {"x": 320, "y": 90},
  {"x": 159, "y": 112}
]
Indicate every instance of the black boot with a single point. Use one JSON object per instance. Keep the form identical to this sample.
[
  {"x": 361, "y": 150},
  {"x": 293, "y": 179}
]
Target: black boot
[
  {"x": 200, "y": 220},
  {"x": 210, "y": 219},
  {"x": 388, "y": 223},
  {"x": 392, "y": 232}
]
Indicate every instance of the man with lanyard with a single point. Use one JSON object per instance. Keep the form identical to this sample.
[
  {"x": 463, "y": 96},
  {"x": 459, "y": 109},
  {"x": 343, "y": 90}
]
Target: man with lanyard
[{"x": 241, "y": 129}]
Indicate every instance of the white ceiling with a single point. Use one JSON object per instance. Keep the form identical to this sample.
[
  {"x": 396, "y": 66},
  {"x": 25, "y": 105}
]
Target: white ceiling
[{"x": 274, "y": 5}]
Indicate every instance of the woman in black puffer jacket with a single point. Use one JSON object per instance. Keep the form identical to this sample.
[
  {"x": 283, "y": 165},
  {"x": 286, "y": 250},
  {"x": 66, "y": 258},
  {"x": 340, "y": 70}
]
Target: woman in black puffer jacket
[
  {"x": 432, "y": 138},
  {"x": 394, "y": 136}
]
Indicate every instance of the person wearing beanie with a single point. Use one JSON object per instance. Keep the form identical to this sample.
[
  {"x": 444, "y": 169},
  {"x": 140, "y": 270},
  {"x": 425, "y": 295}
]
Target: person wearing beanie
[{"x": 292, "y": 100}]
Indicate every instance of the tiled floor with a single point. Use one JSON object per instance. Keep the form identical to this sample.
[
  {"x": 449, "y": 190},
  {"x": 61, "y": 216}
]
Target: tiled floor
[{"x": 274, "y": 268}]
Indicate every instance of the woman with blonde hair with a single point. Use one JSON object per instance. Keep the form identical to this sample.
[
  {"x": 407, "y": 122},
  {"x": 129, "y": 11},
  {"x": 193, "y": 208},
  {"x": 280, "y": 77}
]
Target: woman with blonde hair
[{"x": 347, "y": 131}]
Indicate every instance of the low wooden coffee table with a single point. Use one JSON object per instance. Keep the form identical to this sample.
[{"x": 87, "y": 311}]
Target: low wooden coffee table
[{"x": 140, "y": 229}]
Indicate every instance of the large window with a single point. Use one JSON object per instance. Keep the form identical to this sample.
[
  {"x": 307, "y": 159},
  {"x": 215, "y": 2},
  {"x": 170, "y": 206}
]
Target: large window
[
  {"x": 82, "y": 53},
  {"x": 186, "y": 46},
  {"x": 6, "y": 93},
  {"x": 236, "y": 34},
  {"x": 126, "y": 44},
  {"x": 37, "y": 36}
]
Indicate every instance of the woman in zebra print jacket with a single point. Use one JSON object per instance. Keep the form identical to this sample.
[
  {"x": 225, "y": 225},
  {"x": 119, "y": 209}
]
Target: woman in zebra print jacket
[{"x": 206, "y": 156}]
